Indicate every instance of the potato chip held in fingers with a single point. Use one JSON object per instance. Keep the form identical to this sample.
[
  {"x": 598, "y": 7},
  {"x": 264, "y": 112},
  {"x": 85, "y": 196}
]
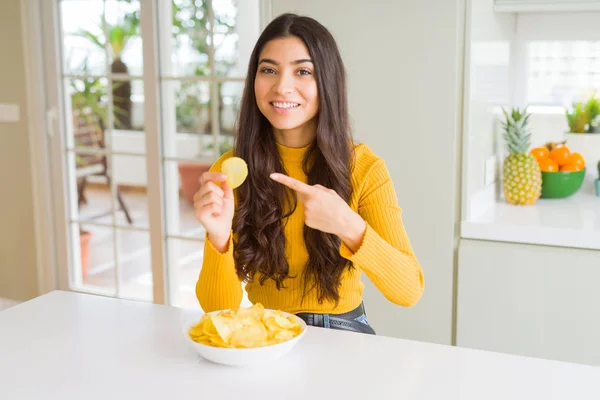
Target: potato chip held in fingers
[{"x": 236, "y": 170}]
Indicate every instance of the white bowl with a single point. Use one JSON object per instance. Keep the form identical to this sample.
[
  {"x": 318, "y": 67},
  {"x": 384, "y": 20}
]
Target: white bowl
[{"x": 244, "y": 356}]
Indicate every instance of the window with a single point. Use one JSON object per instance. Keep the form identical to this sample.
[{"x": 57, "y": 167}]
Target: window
[
  {"x": 148, "y": 97},
  {"x": 556, "y": 59},
  {"x": 557, "y": 70},
  {"x": 560, "y": 73}
]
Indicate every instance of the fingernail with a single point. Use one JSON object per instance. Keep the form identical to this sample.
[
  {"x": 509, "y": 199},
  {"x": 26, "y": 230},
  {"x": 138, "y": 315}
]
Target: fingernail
[{"x": 273, "y": 176}]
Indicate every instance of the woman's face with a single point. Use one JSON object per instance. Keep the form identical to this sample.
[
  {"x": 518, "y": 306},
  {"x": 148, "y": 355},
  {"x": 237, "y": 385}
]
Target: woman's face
[{"x": 285, "y": 85}]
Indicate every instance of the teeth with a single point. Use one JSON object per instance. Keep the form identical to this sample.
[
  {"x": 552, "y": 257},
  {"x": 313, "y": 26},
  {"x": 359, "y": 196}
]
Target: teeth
[{"x": 285, "y": 105}]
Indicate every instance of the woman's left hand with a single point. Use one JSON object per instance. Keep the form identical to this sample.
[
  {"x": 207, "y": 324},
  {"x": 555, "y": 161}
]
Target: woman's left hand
[{"x": 326, "y": 211}]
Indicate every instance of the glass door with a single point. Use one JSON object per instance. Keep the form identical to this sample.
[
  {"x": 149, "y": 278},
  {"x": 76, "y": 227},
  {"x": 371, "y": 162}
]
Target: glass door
[{"x": 145, "y": 99}]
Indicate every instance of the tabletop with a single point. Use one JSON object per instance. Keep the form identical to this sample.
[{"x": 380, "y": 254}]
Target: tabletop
[{"x": 65, "y": 345}]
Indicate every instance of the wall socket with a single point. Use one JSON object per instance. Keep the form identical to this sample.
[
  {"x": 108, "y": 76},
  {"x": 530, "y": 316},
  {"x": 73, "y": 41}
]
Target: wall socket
[
  {"x": 9, "y": 112},
  {"x": 489, "y": 171}
]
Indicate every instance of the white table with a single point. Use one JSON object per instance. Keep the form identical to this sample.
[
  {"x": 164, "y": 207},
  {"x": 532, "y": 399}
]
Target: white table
[{"x": 73, "y": 346}]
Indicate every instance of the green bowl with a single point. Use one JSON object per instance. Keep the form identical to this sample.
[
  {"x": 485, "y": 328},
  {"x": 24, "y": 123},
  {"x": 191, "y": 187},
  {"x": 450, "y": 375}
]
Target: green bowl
[{"x": 558, "y": 185}]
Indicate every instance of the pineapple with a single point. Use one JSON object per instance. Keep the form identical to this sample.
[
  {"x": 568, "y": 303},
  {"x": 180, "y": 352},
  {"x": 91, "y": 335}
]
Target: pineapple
[{"x": 522, "y": 178}]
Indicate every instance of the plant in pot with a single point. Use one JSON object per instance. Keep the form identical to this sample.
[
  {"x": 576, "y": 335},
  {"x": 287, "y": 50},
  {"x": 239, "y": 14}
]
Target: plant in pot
[
  {"x": 592, "y": 107},
  {"x": 127, "y": 27},
  {"x": 577, "y": 118},
  {"x": 584, "y": 117},
  {"x": 584, "y": 129},
  {"x": 86, "y": 100}
]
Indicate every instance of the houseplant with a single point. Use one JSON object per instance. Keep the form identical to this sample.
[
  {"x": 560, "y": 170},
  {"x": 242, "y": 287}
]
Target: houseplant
[
  {"x": 120, "y": 34},
  {"x": 584, "y": 129},
  {"x": 86, "y": 99}
]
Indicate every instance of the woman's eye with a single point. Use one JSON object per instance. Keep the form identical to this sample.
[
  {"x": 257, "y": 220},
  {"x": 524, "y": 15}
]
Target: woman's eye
[
  {"x": 304, "y": 72},
  {"x": 267, "y": 71}
]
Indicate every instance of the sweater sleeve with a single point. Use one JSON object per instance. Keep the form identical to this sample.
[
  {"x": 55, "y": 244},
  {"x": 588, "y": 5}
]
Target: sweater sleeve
[
  {"x": 218, "y": 286},
  {"x": 385, "y": 254}
]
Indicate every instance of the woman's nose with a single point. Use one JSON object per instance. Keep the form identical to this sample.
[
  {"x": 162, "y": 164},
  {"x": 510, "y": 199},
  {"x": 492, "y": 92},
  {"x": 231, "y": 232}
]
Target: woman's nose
[{"x": 284, "y": 85}]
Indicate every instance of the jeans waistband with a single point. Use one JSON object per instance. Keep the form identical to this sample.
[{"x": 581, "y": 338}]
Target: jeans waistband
[{"x": 346, "y": 321}]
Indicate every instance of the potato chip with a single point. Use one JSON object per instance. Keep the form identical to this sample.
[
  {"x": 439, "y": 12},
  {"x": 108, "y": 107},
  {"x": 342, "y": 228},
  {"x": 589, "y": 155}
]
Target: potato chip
[
  {"x": 209, "y": 328},
  {"x": 245, "y": 328},
  {"x": 236, "y": 170},
  {"x": 255, "y": 311},
  {"x": 226, "y": 326},
  {"x": 283, "y": 335},
  {"x": 197, "y": 330},
  {"x": 249, "y": 336}
]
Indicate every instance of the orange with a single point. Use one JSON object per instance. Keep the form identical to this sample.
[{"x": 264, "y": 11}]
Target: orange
[
  {"x": 571, "y": 167},
  {"x": 577, "y": 159},
  {"x": 560, "y": 155},
  {"x": 547, "y": 165},
  {"x": 539, "y": 153}
]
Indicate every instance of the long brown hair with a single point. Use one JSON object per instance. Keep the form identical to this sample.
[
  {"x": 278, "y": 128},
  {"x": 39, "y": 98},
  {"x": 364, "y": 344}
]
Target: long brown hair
[{"x": 264, "y": 205}]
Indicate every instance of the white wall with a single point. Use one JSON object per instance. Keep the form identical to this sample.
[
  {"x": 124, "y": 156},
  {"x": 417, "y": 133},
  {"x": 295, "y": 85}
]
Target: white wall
[
  {"x": 490, "y": 44},
  {"x": 403, "y": 60},
  {"x": 547, "y": 126},
  {"x": 18, "y": 273}
]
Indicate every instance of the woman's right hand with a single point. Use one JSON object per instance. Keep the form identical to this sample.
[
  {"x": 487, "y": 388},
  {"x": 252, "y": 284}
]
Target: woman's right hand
[{"x": 214, "y": 207}]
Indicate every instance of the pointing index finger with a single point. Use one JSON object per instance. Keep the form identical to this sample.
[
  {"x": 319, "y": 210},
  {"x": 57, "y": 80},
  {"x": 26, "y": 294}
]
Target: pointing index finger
[{"x": 292, "y": 183}]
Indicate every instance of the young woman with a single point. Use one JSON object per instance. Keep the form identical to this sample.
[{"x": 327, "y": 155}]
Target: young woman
[{"x": 316, "y": 209}]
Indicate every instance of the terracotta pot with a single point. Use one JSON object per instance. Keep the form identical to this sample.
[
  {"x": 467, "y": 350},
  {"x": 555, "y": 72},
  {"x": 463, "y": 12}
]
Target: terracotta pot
[
  {"x": 189, "y": 174},
  {"x": 84, "y": 242}
]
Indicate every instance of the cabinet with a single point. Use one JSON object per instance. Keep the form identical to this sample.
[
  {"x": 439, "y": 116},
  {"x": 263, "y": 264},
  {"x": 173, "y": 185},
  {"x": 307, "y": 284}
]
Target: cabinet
[{"x": 538, "y": 301}]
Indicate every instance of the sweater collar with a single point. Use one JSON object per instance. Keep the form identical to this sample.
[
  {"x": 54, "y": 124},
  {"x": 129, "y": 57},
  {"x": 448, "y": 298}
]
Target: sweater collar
[{"x": 292, "y": 154}]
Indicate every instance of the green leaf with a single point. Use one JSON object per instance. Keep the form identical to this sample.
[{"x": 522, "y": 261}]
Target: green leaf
[{"x": 95, "y": 39}]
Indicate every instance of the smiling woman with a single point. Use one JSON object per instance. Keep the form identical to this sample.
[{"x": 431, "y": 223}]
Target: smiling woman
[{"x": 316, "y": 209}]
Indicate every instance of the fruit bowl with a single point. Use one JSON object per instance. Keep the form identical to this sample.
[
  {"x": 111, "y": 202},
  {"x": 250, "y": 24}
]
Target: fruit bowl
[{"x": 561, "y": 184}]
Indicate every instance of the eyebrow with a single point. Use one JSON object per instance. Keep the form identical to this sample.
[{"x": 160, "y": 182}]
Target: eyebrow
[{"x": 301, "y": 61}]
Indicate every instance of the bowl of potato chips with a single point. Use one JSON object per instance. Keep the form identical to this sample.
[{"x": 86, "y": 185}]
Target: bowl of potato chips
[{"x": 244, "y": 336}]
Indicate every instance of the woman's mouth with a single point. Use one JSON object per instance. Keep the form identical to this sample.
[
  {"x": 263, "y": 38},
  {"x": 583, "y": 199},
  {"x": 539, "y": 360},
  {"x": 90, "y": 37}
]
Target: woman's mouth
[{"x": 284, "y": 107}]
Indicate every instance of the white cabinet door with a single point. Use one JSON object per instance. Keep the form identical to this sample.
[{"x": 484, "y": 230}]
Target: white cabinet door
[{"x": 529, "y": 300}]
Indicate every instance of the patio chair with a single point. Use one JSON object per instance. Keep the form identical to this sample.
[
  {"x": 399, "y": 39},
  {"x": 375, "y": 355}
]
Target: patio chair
[{"x": 88, "y": 132}]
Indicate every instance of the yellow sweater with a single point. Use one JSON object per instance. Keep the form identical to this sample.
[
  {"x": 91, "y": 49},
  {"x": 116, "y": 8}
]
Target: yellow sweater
[{"x": 385, "y": 254}]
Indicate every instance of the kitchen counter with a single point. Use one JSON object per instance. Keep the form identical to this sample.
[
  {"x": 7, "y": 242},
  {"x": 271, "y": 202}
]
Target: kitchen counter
[
  {"x": 74, "y": 346},
  {"x": 570, "y": 222}
]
